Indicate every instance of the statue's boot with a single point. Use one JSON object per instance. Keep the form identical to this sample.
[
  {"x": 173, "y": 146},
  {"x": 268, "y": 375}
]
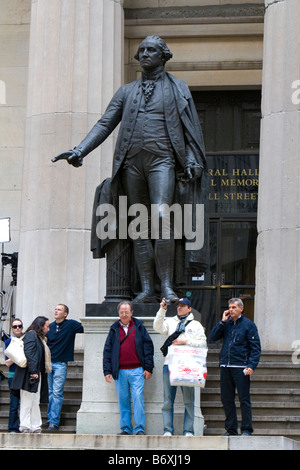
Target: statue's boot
[
  {"x": 144, "y": 258},
  {"x": 164, "y": 261}
]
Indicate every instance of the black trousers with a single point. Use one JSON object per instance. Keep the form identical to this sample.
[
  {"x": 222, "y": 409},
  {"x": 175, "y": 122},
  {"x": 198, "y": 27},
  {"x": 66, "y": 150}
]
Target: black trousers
[{"x": 232, "y": 379}]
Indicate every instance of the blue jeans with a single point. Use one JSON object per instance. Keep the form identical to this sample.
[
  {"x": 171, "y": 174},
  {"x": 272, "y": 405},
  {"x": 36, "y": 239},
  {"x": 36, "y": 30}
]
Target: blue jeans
[
  {"x": 131, "y": 380},
  {"x": 232, "y": 378},
  {"x": 56, "y": 383},
  {"x": 188, "y": 394},
  {"x": 13, "y": 420}
]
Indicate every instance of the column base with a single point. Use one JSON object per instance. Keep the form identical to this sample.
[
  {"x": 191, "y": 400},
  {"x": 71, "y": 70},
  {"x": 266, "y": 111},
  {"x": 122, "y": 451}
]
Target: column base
[
  {"x": 99, "y": 411},
  {"x": 104, "y": 418}
]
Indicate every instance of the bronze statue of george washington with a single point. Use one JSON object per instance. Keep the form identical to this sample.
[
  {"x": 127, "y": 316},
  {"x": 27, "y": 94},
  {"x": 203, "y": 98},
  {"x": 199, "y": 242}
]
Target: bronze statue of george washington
[{"x": 159, "y": 158}]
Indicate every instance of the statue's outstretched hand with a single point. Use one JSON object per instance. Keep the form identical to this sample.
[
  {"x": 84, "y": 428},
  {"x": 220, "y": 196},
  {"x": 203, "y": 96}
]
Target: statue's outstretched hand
[{"x": 71, "y": 156}]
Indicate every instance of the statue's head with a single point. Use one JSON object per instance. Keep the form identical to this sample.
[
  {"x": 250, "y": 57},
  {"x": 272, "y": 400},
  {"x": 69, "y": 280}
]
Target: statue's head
[{"x": 157, "y": 43}]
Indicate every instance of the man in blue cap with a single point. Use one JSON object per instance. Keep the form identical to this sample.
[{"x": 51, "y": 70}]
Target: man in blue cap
[{"x": 180, "y": 329}]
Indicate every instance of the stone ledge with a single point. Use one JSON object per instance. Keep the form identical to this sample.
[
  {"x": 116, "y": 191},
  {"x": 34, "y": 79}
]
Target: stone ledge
[
  {"x": 115, "y": 442},
  {"x": 192, "y": 12}
]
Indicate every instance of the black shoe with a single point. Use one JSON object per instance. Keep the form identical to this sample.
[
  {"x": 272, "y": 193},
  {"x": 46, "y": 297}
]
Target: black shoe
[
  {"x": 140, "y": 433},
  {"x": 52, "y": 428},
  {"x": 123, "y": 433}
]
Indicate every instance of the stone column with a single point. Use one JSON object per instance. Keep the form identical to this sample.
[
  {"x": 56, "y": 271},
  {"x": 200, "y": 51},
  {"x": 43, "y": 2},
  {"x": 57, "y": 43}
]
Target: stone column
[
  {"x": 99, "y": 411},
  {"x": 75, "y": 66},
  {"x": 277, "y": 304}
]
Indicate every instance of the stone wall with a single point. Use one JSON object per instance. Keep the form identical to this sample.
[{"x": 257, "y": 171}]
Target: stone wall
[
  {"x": 278, "y": 248},
  {"x": 14, "y": 49},
  {"x": 99, "y": 411}
]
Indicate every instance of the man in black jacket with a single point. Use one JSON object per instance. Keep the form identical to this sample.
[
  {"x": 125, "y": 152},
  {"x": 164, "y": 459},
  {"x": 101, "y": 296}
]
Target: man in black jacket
[
  {"x": 239, "y": 357},
  {"x": 128, "y": 358}
]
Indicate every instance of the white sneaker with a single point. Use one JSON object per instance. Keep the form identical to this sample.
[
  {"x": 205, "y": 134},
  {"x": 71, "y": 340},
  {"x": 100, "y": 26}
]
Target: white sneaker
[
  {"x": 167, "y": 433},
  {"x": 188, "y": 434}
]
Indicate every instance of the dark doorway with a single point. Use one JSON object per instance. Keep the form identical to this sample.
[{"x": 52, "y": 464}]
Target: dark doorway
[{"x": 231, "y": 124}]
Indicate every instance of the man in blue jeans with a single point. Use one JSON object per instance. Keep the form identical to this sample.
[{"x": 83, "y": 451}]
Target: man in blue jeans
[
  {"x": 188, "y": 331},
  {"x": 61, "y": 339},
  {"x": 128, "y": 359}
]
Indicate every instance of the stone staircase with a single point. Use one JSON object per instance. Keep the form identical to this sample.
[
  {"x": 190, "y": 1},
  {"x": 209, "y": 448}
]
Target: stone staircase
[
  {"x": 275, "y": 396},
  {"x": 72, "y": 397}
]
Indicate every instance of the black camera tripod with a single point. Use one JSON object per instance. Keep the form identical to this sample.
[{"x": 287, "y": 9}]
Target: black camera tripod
[{"x": 7, "y": 297}]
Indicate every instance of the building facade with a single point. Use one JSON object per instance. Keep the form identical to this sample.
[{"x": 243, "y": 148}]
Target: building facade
[{"x": 61, "y": 62}]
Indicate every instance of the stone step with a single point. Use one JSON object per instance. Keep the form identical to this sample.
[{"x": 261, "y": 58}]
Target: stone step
[
  {"x": 263, "y": 369},
  {"x": 166, "y": 447},
  {"x": 72, "y": 396},
  {"x": 275, "y": 396},
  {"x": 266, "y": 406},
  {"x": 267, "y": 431},
  {"x": 260, "y": 421},
  {"x": 261, "y": 393}
]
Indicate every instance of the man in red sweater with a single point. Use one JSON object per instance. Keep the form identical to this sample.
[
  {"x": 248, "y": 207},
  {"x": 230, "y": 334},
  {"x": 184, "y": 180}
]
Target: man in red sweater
[{"x": 128, "y": 358}]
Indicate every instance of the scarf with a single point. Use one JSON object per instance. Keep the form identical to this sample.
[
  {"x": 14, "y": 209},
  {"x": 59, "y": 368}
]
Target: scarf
[
  {"x": 48, "y": 366},
  {"x": 181, "y": 325}
]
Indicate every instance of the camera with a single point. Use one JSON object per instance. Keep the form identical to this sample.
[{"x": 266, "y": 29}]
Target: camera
[
  {"x": 12, "y": 259},
  {"x": 32, "y": 380}
]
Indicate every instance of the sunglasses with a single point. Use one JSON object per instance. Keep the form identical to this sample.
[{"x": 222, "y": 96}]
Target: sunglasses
[{"x": 17, "y": 326}]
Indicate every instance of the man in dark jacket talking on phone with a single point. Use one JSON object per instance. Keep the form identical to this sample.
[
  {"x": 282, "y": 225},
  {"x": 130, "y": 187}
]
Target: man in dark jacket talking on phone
[{"x": 239, "y": 357}]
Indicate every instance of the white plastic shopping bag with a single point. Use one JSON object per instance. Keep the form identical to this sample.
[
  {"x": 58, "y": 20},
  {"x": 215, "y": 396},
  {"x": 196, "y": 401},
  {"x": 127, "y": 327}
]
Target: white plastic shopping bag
[{"x": 187, "y": 366}]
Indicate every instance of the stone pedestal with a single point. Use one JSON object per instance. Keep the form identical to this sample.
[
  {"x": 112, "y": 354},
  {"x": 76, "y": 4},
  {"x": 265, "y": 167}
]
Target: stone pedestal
[
  {"x": 99, "y": 411},
  {"x": 277, "y": 301},
  {"x": 109, "y": 309}
]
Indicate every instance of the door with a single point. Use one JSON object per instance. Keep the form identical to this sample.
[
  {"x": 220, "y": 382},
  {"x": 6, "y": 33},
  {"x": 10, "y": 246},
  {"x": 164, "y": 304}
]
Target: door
[
  {"x": 232, "y": 270},
  {"x": 230, "y": 122}
]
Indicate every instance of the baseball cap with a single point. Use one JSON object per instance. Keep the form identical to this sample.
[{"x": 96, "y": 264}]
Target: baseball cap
[{"x": 185, "y": 301}]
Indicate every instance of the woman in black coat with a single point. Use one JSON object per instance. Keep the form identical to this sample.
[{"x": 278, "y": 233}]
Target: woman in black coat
[{"x": 31, "y": 382}]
